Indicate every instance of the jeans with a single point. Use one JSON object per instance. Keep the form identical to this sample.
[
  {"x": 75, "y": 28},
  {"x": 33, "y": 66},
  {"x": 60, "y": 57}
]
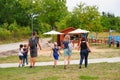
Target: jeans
[
  {"x": 84, "y": 54},
  {"x": 25, "y": 58}
]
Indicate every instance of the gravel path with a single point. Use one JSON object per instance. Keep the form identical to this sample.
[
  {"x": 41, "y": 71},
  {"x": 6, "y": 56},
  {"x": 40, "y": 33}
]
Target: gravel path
[{"x": 12, "y": 48}]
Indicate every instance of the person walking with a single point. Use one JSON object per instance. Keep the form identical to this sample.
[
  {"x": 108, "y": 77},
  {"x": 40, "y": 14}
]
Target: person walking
[
  {"x": 33, "y": 42},
  {"x": 25, "y": 55},
  {"x": 20, "y": 54},
  {"x": 84, "y": 51},
  {"x": 55, "y": 52},
  {"x": 67, "y": 50}
]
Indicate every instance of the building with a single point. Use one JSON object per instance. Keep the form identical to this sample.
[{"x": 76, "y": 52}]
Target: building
[{"x": 60, "y": 38}]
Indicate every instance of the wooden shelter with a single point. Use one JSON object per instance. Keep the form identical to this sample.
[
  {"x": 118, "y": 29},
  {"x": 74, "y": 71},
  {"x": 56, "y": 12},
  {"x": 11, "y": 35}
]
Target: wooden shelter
[{"x": 65, "y": 31}]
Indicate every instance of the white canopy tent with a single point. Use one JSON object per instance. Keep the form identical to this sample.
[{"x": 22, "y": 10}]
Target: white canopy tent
[
  {"x": 78, "y": 31},
  {"x": 53, "y": 32}
]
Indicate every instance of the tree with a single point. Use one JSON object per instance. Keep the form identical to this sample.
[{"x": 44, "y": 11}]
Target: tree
[
  {"x": 72, "y": 21},
  {"x": 52, "y": 11},
  {"x": 13, "y": 10},
  {"x": 109, "y": 21}
]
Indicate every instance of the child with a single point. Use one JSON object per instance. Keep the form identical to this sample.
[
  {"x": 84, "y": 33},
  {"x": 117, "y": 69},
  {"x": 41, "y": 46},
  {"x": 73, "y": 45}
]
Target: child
[
  {"x": 20, "y": 55},
  {"x": 25, "y": 55},
  {"x": 55, "y": 51}
]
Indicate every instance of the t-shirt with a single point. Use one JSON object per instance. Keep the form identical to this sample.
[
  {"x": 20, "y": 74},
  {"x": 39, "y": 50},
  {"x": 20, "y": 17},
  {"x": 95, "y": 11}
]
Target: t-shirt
[
  {"x": 55, "y": 51},
  {"x": 65, "y": 44},
  {"x": 83, "y": 45},
  {"x": 25, "y": 51},
  {"x": 20, "y": 52},
  {"x": 33, "y": 42}
]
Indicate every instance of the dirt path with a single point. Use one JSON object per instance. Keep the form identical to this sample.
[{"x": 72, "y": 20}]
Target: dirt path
[{"x": 12, "y": 48}]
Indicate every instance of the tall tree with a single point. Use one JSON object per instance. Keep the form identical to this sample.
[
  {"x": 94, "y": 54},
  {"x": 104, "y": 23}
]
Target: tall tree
[
  {"x": 52, "y": 11},
  {"x": 109, "y": 21}
]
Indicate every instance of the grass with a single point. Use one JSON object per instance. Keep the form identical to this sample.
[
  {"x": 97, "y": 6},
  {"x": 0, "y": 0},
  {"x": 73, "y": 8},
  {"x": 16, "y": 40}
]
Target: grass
[
  {"x": 101, "y": 71},
  {"x": 88, "y": 77}
]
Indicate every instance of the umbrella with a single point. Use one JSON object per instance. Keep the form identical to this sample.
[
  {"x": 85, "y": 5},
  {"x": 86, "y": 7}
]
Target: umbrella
[
  {"x": 78, "y": 31},
  {"x": 53, "y": 32}
]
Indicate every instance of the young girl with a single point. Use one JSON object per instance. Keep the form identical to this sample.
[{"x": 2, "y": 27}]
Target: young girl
[
  {"x": 67, "y": 45},
  {"x": 20, "y": 55},
  {"x": 56, "y": 52}
]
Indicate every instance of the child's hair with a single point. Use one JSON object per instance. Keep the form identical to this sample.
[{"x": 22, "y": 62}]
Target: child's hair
[
  {"x": 25, "y": 45},
  {"x": 67, "y": 37},
  {"x": 21, "y": 45},
  {"x": 55, "y": 44}
]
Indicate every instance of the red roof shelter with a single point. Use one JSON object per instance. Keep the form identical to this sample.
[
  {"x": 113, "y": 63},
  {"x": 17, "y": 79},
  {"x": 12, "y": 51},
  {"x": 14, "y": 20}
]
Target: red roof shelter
[{"x": 65, "y": 31}]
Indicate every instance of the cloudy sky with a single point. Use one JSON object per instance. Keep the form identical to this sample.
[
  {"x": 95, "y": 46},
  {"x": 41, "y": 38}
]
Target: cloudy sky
[{"x": 112, "y": 6}]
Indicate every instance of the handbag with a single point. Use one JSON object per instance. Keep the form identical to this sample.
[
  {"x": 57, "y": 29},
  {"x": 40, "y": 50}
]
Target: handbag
[{"x": 88, "y": 50}]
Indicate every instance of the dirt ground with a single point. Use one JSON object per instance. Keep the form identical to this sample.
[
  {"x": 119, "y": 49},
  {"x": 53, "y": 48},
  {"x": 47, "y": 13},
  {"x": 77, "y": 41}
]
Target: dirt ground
[{"x": 12, "y": 49}]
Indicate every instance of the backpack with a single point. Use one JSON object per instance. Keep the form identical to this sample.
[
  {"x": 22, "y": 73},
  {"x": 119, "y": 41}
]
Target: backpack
[
  {"x": 70, "y": 46},
  {"x": 33, "y": 43}
]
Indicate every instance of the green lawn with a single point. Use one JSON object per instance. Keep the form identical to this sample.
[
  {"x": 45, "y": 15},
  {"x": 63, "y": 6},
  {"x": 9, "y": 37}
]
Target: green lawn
[{"x": 99, "y": 71}]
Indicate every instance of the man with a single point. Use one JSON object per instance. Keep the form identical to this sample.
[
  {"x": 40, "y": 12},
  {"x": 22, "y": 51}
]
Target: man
[{"x": 33, "y": 42}]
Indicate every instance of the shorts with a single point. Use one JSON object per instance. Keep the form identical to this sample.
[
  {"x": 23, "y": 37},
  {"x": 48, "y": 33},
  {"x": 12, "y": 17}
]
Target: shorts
[
  {"x": 67, "y": 52},
  {"x": 21, "y": 57},
  {"x": 56, "y": 57},
  {"x": 33, "y": 53}
]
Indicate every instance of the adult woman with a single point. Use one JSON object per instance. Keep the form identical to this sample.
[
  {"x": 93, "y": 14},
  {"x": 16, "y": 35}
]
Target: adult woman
[
  {"x": 67, "y": 51},
  {"x": 33, "y": 42},
  {"x": 84, "y": 51}
]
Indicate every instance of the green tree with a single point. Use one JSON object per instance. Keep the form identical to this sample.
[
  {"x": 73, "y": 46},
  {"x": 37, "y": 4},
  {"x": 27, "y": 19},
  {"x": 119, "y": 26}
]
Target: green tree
[
  {"x": 72, "y": 21},
  {"x": 109, "y": 21},
  {"x": 13, "y": 10},
  {"x": 52, "y": 11},
  {"x": 86, "y": 17}
]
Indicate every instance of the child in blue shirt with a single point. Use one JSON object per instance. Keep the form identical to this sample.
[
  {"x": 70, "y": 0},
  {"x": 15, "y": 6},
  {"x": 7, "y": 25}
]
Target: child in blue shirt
[{"x": 55, "y": 52}]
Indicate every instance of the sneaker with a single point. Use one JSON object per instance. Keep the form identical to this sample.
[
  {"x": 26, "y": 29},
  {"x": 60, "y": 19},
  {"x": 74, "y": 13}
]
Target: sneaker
[
  {"x": 65, "y": 67},
  {"x": 85, "y": 66},
  {"x": 54, "y": 66},
  {"x": 80, "y": 67},
  {"x": 19, "y": 65},
  {"x": 23, "y": 65},
  {"x": 30, "y": 66}
]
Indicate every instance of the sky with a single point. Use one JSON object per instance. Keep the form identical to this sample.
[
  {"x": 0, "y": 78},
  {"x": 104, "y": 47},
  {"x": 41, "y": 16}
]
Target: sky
[{"x": 111, "y": 6}]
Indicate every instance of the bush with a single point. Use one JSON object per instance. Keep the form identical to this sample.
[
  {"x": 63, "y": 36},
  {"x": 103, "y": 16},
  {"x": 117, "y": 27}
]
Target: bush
[
  {"x": 4, "y": 34},
  {"x": 13, "y": 32}
]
